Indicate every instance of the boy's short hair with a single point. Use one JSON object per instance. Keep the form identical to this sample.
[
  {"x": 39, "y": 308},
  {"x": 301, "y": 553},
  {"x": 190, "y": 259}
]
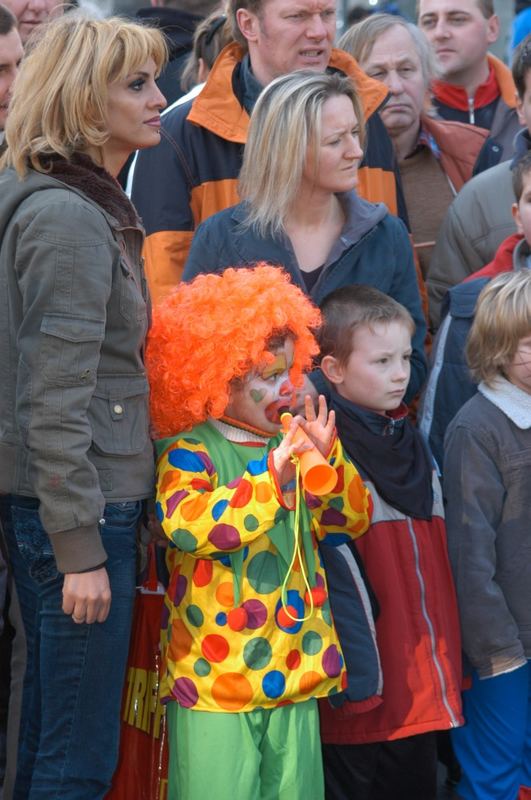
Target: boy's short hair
[
  {"x": 521, "y": 65},
  {"x": 346, "y": 309},
  {"x": 520, "y": 170},
  {"x": 502, "y": 318}
]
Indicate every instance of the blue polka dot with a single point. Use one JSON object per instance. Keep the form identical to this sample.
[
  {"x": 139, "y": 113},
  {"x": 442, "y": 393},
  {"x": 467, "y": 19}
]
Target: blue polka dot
[
  {"x": 219, "y": 508},
  {"x": 221, "y": 618},
  {"x": 273, "y": 684},
  {"x": 186, "y": 459},
  {"x": 159, "y": 513},
  {"x": 335, "y": 539},
  {"x": 258, "y": 467}
]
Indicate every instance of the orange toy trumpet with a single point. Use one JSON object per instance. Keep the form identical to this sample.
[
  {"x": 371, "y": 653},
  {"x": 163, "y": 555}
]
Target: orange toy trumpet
[{"x": 318, "y": 476}]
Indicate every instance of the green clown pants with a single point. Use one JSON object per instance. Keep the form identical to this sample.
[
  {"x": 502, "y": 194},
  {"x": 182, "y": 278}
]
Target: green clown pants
[{"x": 264, "y": 754}]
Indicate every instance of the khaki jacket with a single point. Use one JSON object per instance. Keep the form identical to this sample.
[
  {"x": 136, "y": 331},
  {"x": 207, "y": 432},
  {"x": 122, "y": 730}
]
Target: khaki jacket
[{"x": 74, "y": 394}]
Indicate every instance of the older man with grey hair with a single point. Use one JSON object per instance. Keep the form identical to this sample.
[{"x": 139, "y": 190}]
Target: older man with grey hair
[{"x": 435, "y": 157}]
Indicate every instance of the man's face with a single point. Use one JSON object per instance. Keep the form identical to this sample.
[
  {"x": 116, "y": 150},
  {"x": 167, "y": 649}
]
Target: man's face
[
  {"x": 32, "y": 13},
  {"x": 287, "y": 35},
  {"x": 523, "y": 104},
  {"x": 10, "y": 55},
  {"x": 394, "y": 60},
  {"x": 459, "y": 33}
]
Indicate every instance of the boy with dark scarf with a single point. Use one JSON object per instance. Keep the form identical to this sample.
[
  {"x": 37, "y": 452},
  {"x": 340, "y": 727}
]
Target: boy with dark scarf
[{"x": 365, "y": 356}]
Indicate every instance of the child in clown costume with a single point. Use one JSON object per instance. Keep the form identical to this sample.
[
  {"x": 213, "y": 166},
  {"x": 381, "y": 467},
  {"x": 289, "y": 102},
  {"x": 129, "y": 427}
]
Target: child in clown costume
[{"x": 249, "y": 642}]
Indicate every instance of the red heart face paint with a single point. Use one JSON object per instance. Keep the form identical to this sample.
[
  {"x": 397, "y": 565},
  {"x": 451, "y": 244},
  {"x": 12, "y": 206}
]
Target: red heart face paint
[{"x": 266, "y": 394}]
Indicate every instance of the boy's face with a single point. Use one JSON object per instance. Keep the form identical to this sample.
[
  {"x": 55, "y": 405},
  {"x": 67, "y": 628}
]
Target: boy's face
[
  {"x": 266, "y": 393},
  {"x": 522, "y": 209},
  {"x": 519, "y": 370},
  {"x": 376, "y": 374}
]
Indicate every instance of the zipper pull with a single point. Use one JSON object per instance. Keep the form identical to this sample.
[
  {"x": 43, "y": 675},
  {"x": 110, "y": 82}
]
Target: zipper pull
[{"x": 471, "y": 111}]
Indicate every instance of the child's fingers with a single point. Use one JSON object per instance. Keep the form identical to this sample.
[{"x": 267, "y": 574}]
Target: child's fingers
[
  {"x": 331, "y": 424},
  {"x": 309, "y": 408},
  {"x": 323, "y": 411}
]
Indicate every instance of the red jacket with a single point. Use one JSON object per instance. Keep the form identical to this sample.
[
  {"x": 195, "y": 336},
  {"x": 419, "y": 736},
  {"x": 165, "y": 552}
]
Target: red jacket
[{"x": 417, "y": 630}]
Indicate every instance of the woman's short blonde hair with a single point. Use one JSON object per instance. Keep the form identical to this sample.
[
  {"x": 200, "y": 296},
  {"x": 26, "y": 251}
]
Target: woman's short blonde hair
[
  {"x": 503, "y": 317},
  {"x": 285, "y": 122},
  {"x": 59, "y": 102}
]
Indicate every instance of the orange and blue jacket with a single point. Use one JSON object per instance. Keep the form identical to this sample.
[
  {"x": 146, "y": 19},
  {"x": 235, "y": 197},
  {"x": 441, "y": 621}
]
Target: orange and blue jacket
[{"x": 193, "y": 173}]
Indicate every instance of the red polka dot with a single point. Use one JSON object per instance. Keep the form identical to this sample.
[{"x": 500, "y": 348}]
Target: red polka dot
[
  {"x": 237, "y": 619},
  {"x": 293, "y": 660},
  {"x": 203, "y": 572},
  {"x": 284, "y": 620},
  {"x": 215, "y": 648},
  {"x": 242, "y": 495},
  {"x": 340, "y": 485},
  {"x": 319, "y": 596},
  {"x": 199, "y": 483}
]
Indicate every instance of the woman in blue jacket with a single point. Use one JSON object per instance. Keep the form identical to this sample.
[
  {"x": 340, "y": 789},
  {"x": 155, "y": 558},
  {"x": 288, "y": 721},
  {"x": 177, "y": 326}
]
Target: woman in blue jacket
[{"x": 299, "y": 206}]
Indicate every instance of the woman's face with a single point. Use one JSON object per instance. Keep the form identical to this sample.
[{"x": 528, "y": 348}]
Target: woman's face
[
  {"x": 133, "y": 115},
  {"x": 339, "y": 149}
]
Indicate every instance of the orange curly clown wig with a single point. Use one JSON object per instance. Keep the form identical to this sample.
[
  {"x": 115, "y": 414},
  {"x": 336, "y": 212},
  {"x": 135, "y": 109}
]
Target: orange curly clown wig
[{"x": 216, "y": 329}]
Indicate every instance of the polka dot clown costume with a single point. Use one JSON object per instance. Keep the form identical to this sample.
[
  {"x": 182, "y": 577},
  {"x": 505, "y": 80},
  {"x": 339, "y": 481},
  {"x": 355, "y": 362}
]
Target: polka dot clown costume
[{"x": 249, "y": 640}]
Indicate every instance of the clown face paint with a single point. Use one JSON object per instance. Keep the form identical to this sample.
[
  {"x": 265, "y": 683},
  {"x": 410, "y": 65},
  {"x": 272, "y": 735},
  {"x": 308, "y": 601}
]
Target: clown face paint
[{"x": 264, "y": 395}]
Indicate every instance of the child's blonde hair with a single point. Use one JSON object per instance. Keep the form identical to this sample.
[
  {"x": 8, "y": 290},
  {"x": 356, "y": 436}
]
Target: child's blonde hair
[{"x": 502, "y": 318}]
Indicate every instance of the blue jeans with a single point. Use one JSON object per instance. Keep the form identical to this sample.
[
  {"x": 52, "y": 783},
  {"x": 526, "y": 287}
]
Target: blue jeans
[
  {"x": 494, "y": 745},
  {"x": 70, "y": 723}
]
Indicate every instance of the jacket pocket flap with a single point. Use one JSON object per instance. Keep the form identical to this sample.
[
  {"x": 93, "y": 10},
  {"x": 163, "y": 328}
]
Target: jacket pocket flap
[
  {"x": 120, "y": 387},
  {"x": 73, "y": 329}
]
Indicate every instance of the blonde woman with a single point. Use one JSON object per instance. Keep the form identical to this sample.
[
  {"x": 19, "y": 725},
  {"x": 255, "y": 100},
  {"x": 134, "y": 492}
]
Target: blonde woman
[
  {"x": 300, "y": 209},
  {"x": 75, "y": 454}
]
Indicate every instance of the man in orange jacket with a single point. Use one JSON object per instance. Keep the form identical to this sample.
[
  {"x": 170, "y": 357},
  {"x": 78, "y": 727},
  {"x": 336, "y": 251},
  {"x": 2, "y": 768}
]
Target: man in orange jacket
[{"x": 476, "y": 87}]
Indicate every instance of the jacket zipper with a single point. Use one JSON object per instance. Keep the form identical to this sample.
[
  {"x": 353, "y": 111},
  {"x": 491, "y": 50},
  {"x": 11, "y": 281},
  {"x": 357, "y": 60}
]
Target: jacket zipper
[
  {"x": 471, "y": 111},
  {"x": 442, "y": 680}
]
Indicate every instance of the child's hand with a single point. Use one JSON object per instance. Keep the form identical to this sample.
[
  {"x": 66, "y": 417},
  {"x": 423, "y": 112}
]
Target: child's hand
[
  {"x": 319, "y": 427},
  {"x": 285, "y": 469},
  {"x": 301, "y": 393}
]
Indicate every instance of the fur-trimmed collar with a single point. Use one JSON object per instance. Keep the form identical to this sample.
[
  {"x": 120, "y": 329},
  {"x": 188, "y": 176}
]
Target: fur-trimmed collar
[
  {"x": 514, "y": 402},
  {"x": 84, "y": 175}
]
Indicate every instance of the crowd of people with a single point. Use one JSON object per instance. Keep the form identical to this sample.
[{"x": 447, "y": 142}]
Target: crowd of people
[{"x": 266, "y": 300}]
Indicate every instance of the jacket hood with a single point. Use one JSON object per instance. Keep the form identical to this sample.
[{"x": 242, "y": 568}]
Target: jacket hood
[
  {"x": 504, "y": 79},
  {"x": 218, "y": 110},
  {"x": 360, "y": 218},
  {"x": 177, "y": 26}
]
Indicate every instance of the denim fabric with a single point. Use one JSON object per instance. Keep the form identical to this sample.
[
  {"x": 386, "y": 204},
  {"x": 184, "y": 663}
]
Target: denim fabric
[
  {"x": 72, "y": 690},
  {"x": 494, "y": 746}
]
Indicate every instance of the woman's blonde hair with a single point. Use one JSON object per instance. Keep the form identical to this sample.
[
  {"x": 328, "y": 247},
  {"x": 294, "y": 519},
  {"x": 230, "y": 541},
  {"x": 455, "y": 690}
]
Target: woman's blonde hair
[
  {"x": 59, "y": 102},
  {"x": 503, "y": 317},
  {"x": 285, "y": 122}
]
